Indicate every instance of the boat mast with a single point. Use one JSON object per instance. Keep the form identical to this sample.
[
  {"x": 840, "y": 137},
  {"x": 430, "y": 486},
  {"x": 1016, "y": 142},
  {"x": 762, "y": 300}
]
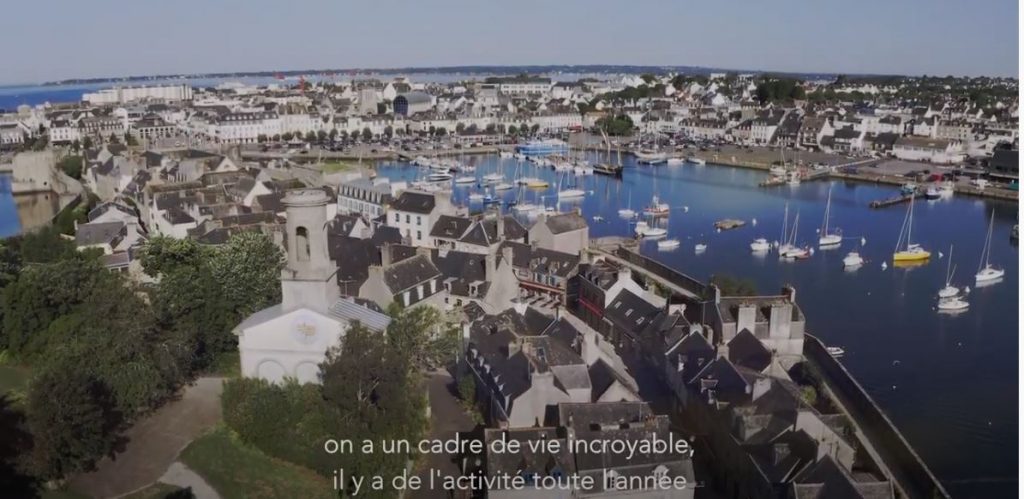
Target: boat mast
[
  {"x": 785, "y": 222},
  {"x": 910, "y": 220},
  {"x": 988, "y": 243},
  {"x": 949, "y": 266},
  {"x": 828, "y": 206}
]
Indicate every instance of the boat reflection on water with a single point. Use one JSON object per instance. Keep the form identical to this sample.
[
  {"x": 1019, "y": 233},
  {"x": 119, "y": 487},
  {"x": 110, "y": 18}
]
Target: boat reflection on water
[
  {"x": 985, "y": 284},
  {"x": 909, "y": 264}
]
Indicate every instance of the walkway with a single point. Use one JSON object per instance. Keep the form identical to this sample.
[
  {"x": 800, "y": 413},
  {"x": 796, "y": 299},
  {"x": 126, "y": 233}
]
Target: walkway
[
  {"x": 446, "y": 418},
  {"x": 154, "y": 442},
  {"x": 646, "y": 273},
  {"x": 180, "y": 476}
]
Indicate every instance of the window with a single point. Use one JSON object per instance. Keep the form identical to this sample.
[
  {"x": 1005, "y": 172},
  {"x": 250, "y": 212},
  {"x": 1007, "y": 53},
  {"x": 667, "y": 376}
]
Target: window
[
  {"x": 419, "y": 220},
  {"x": 419, "y": 235},
  {"x": 397, "y": 219},
  {"x": 407, "y": 218},
  {"x": 302, "y": 250}
]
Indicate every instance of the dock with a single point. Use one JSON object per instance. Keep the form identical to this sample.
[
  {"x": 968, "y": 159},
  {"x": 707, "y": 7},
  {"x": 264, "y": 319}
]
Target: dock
[{"x": 883, "y": 203}]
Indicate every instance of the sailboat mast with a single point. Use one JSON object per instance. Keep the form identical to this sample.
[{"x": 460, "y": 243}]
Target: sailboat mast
[
  {"x": 988, "y": 243},
  {"x": 910, "y": 220},
  {"x": 949, "y": 266},
  {"x": 828, "y": 207},
  {"x": 785, "y": 222}
]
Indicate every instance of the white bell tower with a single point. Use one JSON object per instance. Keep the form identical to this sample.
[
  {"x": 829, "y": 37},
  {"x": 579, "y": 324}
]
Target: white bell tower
[{"x": 308, "y": 278}]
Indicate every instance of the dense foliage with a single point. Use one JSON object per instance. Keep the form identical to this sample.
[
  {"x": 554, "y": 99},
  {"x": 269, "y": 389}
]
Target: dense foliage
[
  {"x": 104, "y": 350},
  {"x": 778, "y": 89},
  {"x": 370, "y": 391},
  {"x": 616, "y": 125}
]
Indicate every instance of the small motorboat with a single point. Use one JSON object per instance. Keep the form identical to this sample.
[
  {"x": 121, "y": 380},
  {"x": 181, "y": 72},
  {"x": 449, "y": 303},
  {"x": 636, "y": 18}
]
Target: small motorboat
[
  {"x": 953, "y": 304},
  {"x": 439, "y": 177},
  {"x": 835, "y": 352},
  {"x": 503, "y": 186},
  {"x": 493, "y": 177},
  {"x": 643, "y": 229},
  {"x": 700, "y": 248},
  {"x": 674, "y": 161},
  {"x": 668, "y": 244},
  {"x": 760, "y": 245},
  {"x": 597, "y": 218},
  {"x": 627, "y": 213},
  {"x": 932, "y": 193},
  {"x": 571, "y": 193},
  {"x": 853, "y": 259},
  {"x": 537, "y": 183},
  {"x": 465, "y": 179},
  {"x": 695, "y": 160}
]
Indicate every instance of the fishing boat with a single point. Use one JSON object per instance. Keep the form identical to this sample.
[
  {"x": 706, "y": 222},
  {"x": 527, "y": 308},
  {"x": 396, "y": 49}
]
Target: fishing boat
[
  {"x": 465, "y": 179},
  {"x": 827, "y": 239},
  {"x": 953, "y": 304},
  {"x": 668, "y": 244},
  {"x": 760, "y": 245},
  {"x": 657, "y": 208},
  {"x": 986, "y": 272},
  {"x": 835, "y": 352},
  {"x": 911, "y": 252},
  {"x": 853, "y": 259}
]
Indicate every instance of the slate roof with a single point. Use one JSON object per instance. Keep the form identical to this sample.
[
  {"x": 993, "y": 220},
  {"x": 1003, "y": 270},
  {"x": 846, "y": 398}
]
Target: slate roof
[
  {"x": 410, "y": 273},
  {"x": 347, "y": 309},
  {"x": 630, "y": 312},
  {"x": 565, "y": 222},
  {"x": 415, "y": 202},
  {"x": 99, "y": 233},
  {"x": 450, "y": 227},
  {"x": 747, "y": 351},
  {"x": 825, "y": 479}
]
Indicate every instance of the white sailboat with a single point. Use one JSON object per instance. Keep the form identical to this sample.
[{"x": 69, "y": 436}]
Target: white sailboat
[
  {"x": 792, "y": 251},
  {"x": 826, "y": 239},
  {"x": 569, "y": 193},
  {"x": 949, "y": 290},
  {"x": 628, "y": 212},
  {"x": 986, "y": 272},
  {"x": 952, "y": 304}
]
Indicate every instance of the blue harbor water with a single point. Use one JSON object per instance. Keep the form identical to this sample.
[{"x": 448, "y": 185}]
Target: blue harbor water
[
  {"x": 9, "y": 224},
  {"x": 948, "y": 382}
]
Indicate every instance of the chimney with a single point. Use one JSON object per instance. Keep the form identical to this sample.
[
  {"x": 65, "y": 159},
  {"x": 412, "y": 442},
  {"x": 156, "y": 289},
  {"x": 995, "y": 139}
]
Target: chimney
[
  {"x": 790, "y": 292},
  {"x": 385, "y": 255},
  {"x": 501, "y": 225},
  {"x": 490, "y": 264}
]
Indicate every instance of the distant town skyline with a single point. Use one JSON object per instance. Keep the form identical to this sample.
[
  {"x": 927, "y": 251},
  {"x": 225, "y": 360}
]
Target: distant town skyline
[{"x": 119, "y": 38}]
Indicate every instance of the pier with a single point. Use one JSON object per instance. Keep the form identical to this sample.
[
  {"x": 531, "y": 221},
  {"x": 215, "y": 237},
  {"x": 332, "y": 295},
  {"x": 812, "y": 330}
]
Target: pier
[{"x": 882, "y": 203}]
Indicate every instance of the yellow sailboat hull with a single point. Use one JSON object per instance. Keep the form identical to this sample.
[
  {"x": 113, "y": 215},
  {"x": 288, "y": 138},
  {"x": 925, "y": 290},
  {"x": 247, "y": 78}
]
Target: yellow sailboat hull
[
  {"x": 537, "y": 184},
  {"x": 911, "y": 256}
]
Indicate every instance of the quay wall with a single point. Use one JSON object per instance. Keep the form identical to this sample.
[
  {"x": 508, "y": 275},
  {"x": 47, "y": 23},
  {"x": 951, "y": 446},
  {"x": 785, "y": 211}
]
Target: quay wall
[
  {"x": 910, "y": 474},
  {"x": 661, "y": 270}
]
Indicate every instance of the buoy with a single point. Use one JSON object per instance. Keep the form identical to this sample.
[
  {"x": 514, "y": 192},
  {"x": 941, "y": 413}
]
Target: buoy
[
  {"x": 753, "y": 221},
  {"x": 686, "y": 209},
  {"x": 863, "y": 241},
  {"x": 884, "y": 266}
]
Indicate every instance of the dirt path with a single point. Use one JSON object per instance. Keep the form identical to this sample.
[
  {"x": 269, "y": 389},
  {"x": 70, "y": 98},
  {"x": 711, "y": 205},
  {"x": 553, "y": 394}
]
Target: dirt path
[{"x": 154, "y": 442}]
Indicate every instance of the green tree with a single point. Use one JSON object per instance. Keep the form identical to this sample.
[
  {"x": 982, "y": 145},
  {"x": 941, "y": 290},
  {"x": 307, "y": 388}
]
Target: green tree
[
  {"x": 367, "y": 134},
  {"x": 87, "y": 142},
  {"x": 389, "y": 131},
  {"x": 321, "y": 136},
  {"x": 616, "y": 125},
  {"x": 163, "y": 254},
  {"x": 310, "y": 137},
  {"x": 72, "y": 166},
  {"x": 129, "y": 139},
  {"x": 333, "y": 134},
  {"x": 460, "y": 128},
  {"x": 512, "y": 130},
  {"x": 733, "y": 286},
  {"x": 72, "y": 420},
  {"x": 534, "y": 129},
  {"x": 15, "y": 479},
  {"x": 286, "y": 136},
  {"x": 249, "y": 267},
  {"x": 261, "y": 138},
  {"x": 113, "y": 138}
]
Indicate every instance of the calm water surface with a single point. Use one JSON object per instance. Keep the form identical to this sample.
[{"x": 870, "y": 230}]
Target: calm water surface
[{"x": 949, "y": 383}]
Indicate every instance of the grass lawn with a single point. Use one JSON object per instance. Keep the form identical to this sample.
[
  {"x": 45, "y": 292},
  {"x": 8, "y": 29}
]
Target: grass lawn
[
  {"x": 235, "y": 470},
  {"x": 338, "y": 166}
]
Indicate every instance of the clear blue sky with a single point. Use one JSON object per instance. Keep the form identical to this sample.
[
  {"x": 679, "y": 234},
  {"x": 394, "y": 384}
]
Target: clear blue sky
[{"x": 57, "y": 39}]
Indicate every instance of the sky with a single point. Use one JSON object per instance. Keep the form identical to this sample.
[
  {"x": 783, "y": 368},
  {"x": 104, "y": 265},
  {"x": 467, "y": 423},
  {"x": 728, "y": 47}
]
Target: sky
[{"x": 47, "y": 40}]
